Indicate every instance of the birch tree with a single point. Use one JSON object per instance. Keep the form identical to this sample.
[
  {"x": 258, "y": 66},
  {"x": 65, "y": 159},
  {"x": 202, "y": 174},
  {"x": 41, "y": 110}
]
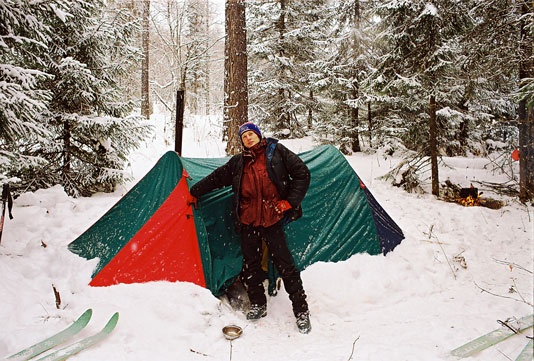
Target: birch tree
[
  {"x": 181, "y": 48},
  {"x": 145, "y": 64}
]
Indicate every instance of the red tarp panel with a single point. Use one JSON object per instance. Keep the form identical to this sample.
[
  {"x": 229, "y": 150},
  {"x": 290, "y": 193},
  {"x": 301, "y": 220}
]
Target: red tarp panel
[{"x": 165, "y": 248}]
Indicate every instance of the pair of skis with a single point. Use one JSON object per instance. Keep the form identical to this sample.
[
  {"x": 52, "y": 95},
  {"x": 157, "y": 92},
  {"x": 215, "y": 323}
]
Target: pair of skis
[
  {"x": 507, "y": 330},
  {"x": 63, "y": 336}
]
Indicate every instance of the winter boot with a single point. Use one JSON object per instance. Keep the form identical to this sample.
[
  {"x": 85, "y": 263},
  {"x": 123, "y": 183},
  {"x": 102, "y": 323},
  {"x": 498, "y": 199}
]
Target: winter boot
[
  {"x": 303, "y": 322},
  {"x": 256, "y": 312}
]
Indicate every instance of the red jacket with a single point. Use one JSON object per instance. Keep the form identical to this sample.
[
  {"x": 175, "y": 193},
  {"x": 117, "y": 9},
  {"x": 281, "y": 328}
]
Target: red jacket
[
  {"x": 287, "y": 171},
  {"x": 259, "y": 195}
]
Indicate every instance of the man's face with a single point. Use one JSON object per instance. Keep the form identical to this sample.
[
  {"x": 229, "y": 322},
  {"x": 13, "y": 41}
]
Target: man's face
[{"x": 250, "y": 139}]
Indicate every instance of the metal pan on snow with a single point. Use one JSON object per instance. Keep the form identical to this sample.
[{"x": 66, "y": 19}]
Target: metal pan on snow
[{"x": 231, "y": 332}]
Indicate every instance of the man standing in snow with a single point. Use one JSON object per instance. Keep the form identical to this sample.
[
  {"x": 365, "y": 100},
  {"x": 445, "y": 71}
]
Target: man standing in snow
[{"x": 269, "y": 183}]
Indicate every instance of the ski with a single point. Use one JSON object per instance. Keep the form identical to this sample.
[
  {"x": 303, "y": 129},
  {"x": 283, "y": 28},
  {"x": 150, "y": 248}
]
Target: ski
[
  {"x": 53, "y": 340},
  {"x": 527, "y": 353},
  {"x": 500, "y": 334},
  {"x": 67, "y": 351}
]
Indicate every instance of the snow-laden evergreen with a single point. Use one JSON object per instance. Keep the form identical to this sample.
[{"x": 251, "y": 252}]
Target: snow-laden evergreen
[
  {"x": 80, "y": 134},
  {"x": 25, "y": 30},
  {"x": 286, "y": 42}
]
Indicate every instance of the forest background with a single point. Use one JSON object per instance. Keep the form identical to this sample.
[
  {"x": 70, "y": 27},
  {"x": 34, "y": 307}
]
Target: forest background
[{"x": 78, "y": 81}]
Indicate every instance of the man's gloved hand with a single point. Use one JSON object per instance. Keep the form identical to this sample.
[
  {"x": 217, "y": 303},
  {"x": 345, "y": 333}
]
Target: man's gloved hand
[{"x": 282, "y": 206}]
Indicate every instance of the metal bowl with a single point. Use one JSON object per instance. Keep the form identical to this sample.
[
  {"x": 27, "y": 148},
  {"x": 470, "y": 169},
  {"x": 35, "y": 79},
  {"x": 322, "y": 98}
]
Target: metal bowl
[{"x": 232, "y": 332}]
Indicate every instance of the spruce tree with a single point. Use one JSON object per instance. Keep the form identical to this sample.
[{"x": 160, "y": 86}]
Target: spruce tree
[
  {"x": 500, "y": 55},
  {"x": 91, "y": 126},
  {"x": 284, "y": 41},
  {"x": 346, "y": 65},
  {"x": 422, "y": 42},
  {"x": 488, "y": 68},
  {"x": 418, "y": 74},
  {"x": 25, "y": 32}
]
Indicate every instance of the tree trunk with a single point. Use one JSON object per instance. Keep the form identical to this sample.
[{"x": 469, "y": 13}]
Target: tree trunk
[
  {"x": 66, "y": 136},
  {"x": 235, "y": 66},
  {"x": 67, "y": 158},
  {"x": 433, "y": 143},
  {"x": 310, "y": 111},
  {"x": 178, "y": 131},
  {"x": 355, "y": 124},
  {"x": 526, "y": 111},
  {"x": 145, "y": 43},
  {"x": 207, "y": 85},
  {"x": 282, "y": 116},
  {"x": 370, "y": 122},
  {"x": 355, "y": 83}
]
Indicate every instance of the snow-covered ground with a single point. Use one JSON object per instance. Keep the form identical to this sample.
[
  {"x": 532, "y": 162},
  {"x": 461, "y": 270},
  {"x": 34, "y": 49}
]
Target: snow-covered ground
[{"x": 458, "y": 271}]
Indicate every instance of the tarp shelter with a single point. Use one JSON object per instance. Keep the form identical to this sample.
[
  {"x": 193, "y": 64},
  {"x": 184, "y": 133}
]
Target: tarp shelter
[{"x": 152, "y": 234}]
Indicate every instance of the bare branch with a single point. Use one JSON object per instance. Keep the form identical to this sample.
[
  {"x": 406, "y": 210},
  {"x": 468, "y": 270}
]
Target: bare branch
[
  {"x": 501, "y": 296},
  {"x": 354, "y": 343},
  {"x": 512, "y": 265}
]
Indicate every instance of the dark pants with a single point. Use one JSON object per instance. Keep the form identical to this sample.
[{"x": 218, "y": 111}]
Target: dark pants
[{"x": 253, "y": 274}]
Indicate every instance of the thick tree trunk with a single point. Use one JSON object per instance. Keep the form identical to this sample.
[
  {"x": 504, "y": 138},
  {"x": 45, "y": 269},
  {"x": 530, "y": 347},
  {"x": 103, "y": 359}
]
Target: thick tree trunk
[
  {"x": 526, "y": 158},
  {"x": 526, "y": 111},
  {"x": 433, "y": 143},
  {"x": 145, "y": 43},
  {"x": 235, "y": 66}
]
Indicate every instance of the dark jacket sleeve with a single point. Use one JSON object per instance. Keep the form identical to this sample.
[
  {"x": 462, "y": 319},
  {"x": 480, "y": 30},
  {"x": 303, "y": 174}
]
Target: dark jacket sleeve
[
  {"x": 299, "y": 176},
  {"x": 220, "y": 177}
]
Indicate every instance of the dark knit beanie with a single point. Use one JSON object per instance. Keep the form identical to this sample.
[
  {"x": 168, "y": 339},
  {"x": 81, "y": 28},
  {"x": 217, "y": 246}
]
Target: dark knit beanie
[{"x": 249, "y": 126}]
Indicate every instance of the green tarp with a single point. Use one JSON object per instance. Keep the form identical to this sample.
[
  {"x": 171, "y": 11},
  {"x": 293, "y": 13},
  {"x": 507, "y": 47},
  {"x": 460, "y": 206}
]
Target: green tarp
[
  {"x": 341, "y": 218},
  {"x": 115, "y": 229},
  {"x": 336, "y": 224}
]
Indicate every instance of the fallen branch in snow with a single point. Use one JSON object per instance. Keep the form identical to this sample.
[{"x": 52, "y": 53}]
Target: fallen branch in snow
[
  {"x": 354, "y": 343},
  {"x": 508, "y": 189},
  {"x": 514, "y": 289},
  {"x": 442, "y": 250},
  {"x": 512, "y": 265},
  {"x": 57, "y": 296},
  {"x": 198, "y": 353},
  {"x": 408, "y": 173},
  {"x": 430, "y": 241},
  {"x": 507, "y": 297}
]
